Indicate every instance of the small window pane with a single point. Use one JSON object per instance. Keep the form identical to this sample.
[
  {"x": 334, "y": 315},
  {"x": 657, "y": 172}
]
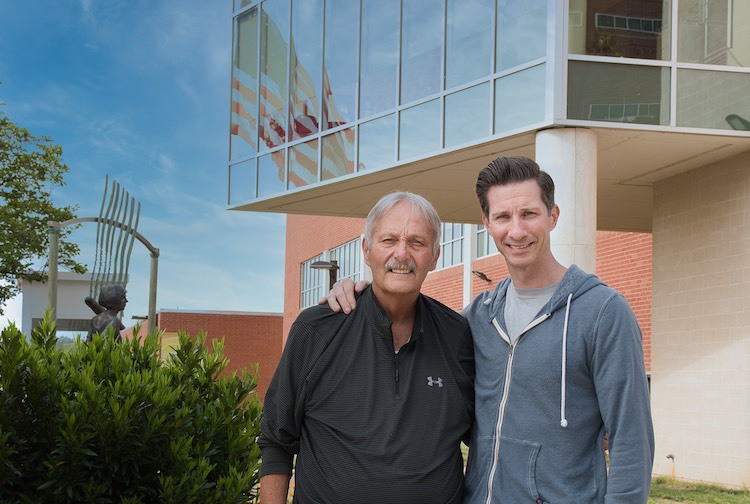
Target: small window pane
[
  {"x": 521, "y": 32},
  {"x": 718, "y": 100},
  {"x": 467, "y": 115},
  {"x": 421, "y": 49},
  {"x": 307, "y": 57},
  {"x": 273, "y": 68},
  {"x": 451, "y": 245},
  {"x": 303, "y": 164},
  {"x": 349, "y": 259},
  {"x": 340, "y": 74},
  {"x": 312, "y": 281},
  {"x": 419, "y": 130},
  {"x": 485, "y": 244},
  {"x": 244, "y": 119},
  {"x": 611, "y": 92},
  {"x": 242, "y": 182},
  {"x": 469, "y": 41},
  {"x": 714, "y": 32},
  {"x": 271, "y": 174},
  {"x": 620, "y": 29},
  {"x": 377, "y": 143},
  {"x": 379, "y": 66},
  {"x": 338, "y": 154},
  {"x": 520, "y": 99}
]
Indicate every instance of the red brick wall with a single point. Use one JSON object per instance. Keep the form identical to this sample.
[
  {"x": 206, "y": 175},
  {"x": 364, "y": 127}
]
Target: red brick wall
[
  {"x": 306, "y": 237},
  {"x": 624, "y": 263},
  {"x": 249, "y": 338},
  {"x": 445, "y": 285}
]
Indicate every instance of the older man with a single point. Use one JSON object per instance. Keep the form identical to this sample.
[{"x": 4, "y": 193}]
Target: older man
[{"x": 375, "y": 404}]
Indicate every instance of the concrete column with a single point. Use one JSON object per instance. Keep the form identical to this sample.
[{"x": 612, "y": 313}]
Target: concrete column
[{"x": 569, "y": 156}]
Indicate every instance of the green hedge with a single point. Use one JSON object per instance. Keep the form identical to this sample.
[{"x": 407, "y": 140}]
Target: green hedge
[{"x": 112, "y": 423}]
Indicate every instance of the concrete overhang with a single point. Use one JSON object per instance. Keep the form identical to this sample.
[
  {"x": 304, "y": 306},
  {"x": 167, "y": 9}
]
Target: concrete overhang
[{"x": 630, "y": 162}]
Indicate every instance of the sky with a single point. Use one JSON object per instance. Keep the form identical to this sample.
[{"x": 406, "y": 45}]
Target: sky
[{"x": 138, "y": 90}]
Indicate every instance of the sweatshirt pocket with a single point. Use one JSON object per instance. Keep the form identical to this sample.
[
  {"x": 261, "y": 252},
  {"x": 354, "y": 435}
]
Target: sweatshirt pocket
[
  {"x": 508, "y": 477},
  {"x": 515, "y": 476}
]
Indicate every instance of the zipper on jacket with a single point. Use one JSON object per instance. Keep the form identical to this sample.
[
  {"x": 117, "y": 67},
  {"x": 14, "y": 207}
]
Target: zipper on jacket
[
  {"x": 396, "y": 389},
  {"x": 501, "y": 410},
  {"x": 504, "y": 400}
]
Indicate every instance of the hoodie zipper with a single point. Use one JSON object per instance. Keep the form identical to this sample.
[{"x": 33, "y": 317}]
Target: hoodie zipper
[{"x": 504, "y": 400}]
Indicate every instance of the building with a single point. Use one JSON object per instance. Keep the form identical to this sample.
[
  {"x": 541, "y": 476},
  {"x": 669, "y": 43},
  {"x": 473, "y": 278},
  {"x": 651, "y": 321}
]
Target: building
[
  {"x": 249, "y": 338},
  {"x": 73, "y": 313},
  {"x": 639, "y": 109}
]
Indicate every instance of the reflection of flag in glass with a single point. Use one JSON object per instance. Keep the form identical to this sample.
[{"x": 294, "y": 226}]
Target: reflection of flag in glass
[
  {"x": 338, "y": 154},
  {"x": 271, "y": 130},
  {"x": 332, "y": 116},
  {"x": 243, "y": 121},
  {"x": 303, "y": 100},
  {"x": 303, "y": 164}
]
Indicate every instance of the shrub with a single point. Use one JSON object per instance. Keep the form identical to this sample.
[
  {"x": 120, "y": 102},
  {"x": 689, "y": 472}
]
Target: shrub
[{"x": 110, "y": 422}]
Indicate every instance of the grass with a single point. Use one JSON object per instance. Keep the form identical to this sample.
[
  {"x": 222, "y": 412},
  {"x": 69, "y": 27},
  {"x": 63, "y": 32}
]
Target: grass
[{"x": 671, "y": 491}]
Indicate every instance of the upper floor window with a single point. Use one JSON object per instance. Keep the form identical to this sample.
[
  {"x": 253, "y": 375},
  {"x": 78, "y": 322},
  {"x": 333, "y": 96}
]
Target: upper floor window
[
  {"x": 451, "y": 245},
  {"x": 314, "y": 282},
  {"x": 620, "y": 29},
  {"x": 485, "y": 245},
  {"x": 349, "y": 259}
]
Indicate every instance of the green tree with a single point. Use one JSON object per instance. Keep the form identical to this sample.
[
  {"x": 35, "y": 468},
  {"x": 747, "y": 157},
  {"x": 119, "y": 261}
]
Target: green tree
[
  {"x": 108, "y": 422},
  {"x": 30, "y": 168}
]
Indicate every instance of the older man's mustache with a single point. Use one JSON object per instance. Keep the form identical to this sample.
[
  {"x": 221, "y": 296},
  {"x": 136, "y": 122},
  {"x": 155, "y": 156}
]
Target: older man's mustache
[{"x": 400, "y": 267}]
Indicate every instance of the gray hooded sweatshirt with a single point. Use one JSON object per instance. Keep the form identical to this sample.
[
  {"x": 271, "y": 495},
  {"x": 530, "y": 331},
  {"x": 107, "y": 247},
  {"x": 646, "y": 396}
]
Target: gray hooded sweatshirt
[{"x": 544, "y": 403}]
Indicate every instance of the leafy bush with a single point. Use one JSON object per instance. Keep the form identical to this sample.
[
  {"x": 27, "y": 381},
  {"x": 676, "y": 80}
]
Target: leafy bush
[{"x": 110, "y": 422}]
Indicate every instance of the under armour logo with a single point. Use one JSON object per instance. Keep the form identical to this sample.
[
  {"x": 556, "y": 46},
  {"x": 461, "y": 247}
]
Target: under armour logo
[{"x": 431, "y": 382}]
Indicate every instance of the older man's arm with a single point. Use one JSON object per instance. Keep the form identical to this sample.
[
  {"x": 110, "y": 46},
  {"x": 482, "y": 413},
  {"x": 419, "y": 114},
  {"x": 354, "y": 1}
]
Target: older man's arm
[{"x": 274, "y": 488}]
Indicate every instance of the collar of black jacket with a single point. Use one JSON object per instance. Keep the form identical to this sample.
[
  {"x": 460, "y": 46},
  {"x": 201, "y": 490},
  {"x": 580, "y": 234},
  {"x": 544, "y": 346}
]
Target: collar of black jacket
[{"x": 380, "y": 320}]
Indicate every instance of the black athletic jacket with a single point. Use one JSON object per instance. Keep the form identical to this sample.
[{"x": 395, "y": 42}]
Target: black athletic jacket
[{"x": 367, "y": 424}]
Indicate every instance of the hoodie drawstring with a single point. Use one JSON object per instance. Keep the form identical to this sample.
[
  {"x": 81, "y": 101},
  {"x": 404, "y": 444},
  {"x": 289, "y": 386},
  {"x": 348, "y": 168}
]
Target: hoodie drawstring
[{"x": 563, "y": 420}]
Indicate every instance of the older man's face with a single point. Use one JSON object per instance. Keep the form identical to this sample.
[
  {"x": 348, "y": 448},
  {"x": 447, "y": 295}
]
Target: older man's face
[{"x": 401, "y": 252}]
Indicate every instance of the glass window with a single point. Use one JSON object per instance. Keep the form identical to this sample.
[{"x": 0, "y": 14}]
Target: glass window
[
  {"x": 306, "y": 67},
  {"x": 707, "y": 99},
  {"x": 340, "y": 71},
  {"x": 451, "y": 245},
  {"x": 485, "y": 244},
  {"x": 273, "y": 72},
  {"x": 714, "y": 32},
  {"x": 421, "y": 49},
  {"x": 271, "y": 174},
  {"x": 313, "y": 282},
  {"x": 521, "y": 33},
  {"x": 377, "y": 143},
  {"x": 349, "y": 259},
  {"x": 338, "y": 154},
  {"x": 244, "y": 119},
  {"x": 619, "y": 93},
  {"x": 379, "y": 66},
  {"x": 238, "y": 4},
  {"x": 242, "y": 182},
  {"x": 419, "y": 130},
  {"x": 303, "y": 164},
  {"x": 520, "y": 99},
  {"x": 630, "y": 29},
  {"x": 467, "y": 115},
  {"x": 469, "y": 41}
]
